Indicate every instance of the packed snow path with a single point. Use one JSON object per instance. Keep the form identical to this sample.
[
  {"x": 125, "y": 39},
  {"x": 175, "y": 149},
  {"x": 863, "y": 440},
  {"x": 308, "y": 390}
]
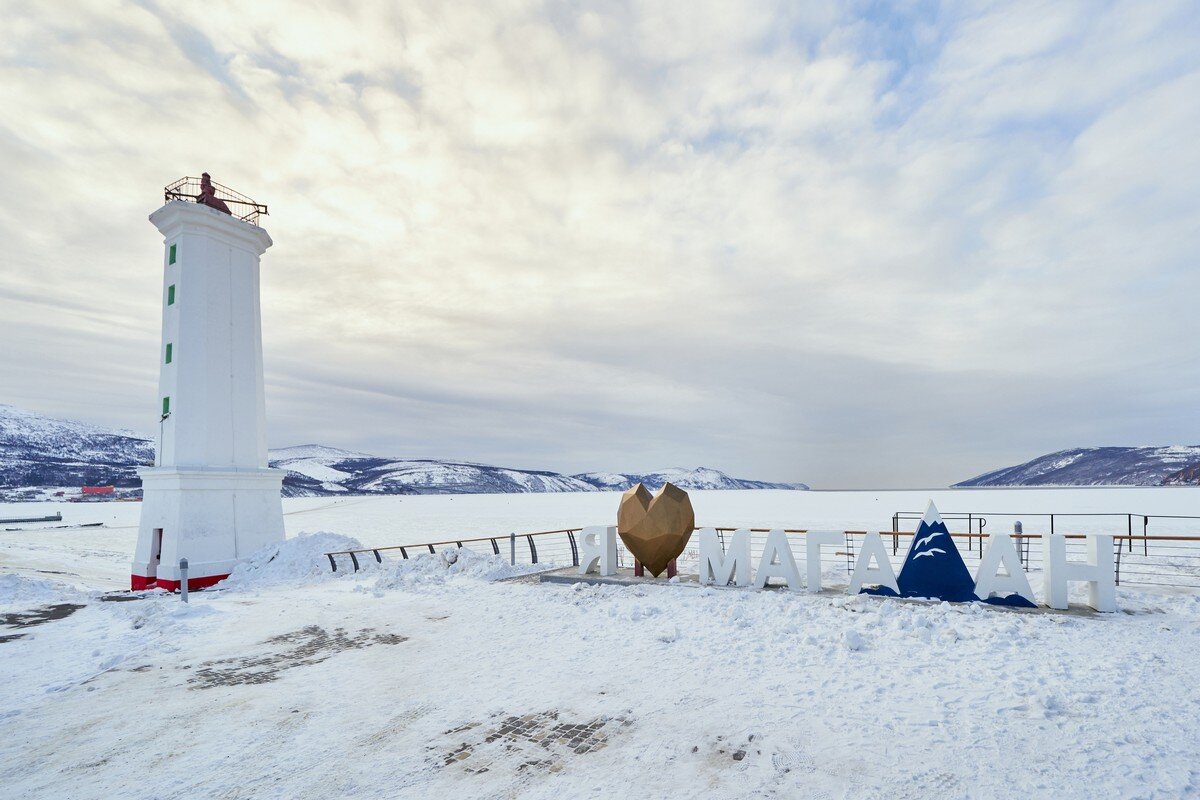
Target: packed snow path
[{"x": 423, "y": 679}]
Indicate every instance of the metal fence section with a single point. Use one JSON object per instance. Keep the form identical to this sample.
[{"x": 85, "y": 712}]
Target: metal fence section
[
  {"x": 1134, "y": 527},
  {"x": 1141, "y": 559}
]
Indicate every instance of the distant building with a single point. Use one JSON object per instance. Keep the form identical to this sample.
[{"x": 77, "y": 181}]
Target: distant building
[{"x": 96, "y": 490}]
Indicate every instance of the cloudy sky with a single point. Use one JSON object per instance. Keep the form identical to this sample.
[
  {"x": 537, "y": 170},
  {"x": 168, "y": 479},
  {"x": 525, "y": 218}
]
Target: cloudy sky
[{"x": 851, "y": 244}]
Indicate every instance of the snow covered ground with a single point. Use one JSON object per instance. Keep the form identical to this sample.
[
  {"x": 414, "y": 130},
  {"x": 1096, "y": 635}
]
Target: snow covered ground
[{"x": 427, "y": 678}]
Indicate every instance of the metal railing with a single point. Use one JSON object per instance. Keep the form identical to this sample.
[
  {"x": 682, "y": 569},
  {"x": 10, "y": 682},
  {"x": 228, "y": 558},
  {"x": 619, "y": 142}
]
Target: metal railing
[
  {"x": 1161, "y": 560},
  {"x": 494, "y": 541},
  {"x": 240, "y": 206},
  {"x": 976, "y": 522}
]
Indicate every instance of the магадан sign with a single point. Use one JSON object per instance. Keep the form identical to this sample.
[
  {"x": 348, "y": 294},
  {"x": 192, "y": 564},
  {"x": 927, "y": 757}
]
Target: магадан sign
[{"x": 933, "y": 567}]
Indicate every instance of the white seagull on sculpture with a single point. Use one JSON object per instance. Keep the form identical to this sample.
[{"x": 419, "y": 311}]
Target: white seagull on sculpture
[{"x": 931, "y": 551}]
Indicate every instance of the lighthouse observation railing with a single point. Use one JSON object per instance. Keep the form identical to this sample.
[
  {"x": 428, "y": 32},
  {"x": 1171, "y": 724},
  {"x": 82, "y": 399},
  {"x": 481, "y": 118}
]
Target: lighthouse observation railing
[
  {"x": 240, "y": 206},
  {"x": 1148, "y": 560}
]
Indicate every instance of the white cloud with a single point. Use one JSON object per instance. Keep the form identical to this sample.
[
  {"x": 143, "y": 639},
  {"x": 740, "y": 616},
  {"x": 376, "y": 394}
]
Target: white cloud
[{"x": 794, "y": 247}]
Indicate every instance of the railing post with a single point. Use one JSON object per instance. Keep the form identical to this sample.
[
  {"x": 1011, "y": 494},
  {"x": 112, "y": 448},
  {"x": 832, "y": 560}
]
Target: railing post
[
  {"x": 512, "y": 548},
  {"x": 574, "y": 549},
  {"x": 1145, "y": 539},
  {"x": 1117, "y": 577},
  {"x": 183, "y": 579},
  {"x": 1017, "y": 531}
]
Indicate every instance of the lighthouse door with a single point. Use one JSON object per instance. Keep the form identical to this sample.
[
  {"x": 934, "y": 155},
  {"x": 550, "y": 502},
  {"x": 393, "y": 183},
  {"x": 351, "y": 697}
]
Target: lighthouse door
[{"x": 155, "y": 552}]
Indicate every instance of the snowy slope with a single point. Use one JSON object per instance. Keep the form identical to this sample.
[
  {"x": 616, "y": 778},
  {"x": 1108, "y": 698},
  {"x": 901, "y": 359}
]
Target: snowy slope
[
  {"x": 1188, "y": 476},
  {"x": 315, "y": 470},
  {"x": 1100, "y": 466},
  {"x": 320, "y": 470},
  {"x": 700, "y": 478},
  {"x": 39, "y": 451},
  {"x": 36, "y": 450}
]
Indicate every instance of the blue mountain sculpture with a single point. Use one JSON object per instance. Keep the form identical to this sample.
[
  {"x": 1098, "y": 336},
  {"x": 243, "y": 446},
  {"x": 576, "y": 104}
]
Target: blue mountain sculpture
[{"x": 933, "y": 566}]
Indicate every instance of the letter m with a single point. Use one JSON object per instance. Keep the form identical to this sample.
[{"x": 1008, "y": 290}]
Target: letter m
[{"x": 721, "y": 566}]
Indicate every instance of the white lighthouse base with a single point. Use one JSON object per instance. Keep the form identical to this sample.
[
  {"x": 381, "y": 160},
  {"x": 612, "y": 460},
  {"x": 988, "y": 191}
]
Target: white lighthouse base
[{"x": 212, "y": 517}]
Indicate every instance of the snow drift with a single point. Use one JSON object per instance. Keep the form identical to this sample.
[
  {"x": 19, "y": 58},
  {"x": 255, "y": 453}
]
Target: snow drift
[
  {"x": 452, "y": 562},
  {"x": 300, "y": 559},
  {"x": 17, "y": 590}
]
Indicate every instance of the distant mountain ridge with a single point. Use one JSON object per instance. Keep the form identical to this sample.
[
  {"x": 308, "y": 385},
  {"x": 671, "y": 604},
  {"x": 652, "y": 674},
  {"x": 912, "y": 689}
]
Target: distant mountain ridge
[
  {"x": 313, "y": 469},
  {"x": 1176, "y": 465},
  {"x": 317, "y": 470},
  {"x": 39, "y": 453},
  {"x": 36, "y": 450},
  {"x": 699, "y": 478}
]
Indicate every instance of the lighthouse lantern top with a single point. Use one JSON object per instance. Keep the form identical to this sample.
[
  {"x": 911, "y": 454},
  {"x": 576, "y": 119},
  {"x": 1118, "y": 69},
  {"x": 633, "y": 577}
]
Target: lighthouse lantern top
[{"x": 207, "y": 192}]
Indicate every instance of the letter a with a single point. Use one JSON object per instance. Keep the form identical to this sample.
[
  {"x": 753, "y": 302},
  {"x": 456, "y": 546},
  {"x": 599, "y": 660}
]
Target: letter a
[
  {"x": 989, "y": 581},
  {"x": 864, "y": 574}
]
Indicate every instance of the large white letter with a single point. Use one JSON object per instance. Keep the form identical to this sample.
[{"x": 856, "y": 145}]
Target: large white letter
[
  {"x": 777, "y": 547},
  {"x": 598, "y": 545},
  {"x": 720, "y": 567},
  {"x": 988, "y": 579},
  {"x": 873, "y": 550},
  {"x": 1097, "y": 571},
  {"x": 812, "y": 553}
]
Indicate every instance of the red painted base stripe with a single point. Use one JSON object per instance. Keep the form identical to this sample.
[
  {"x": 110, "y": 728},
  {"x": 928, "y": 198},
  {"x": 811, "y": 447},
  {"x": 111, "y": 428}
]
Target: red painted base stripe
[
  {"x": 193, "y": 583},
  {"x": 139, "y": 583}
]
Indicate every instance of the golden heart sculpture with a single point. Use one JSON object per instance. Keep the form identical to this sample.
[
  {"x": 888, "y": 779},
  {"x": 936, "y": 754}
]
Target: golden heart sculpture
[{"x": 655, "y": 528}]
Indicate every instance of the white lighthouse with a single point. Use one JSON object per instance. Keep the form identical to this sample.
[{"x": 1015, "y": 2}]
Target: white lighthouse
[{"x": 210, "y": 497}]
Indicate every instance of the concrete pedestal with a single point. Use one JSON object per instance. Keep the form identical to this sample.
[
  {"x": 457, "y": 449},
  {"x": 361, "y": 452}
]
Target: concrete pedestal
[{"x": 211, "y": 517}]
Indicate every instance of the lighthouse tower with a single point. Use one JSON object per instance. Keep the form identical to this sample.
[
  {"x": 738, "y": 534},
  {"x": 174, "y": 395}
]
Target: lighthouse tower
[{"x": 210, "y": 497}]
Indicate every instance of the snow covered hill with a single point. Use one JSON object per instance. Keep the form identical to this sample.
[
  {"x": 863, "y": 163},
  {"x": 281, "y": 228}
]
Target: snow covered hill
[
  {"x": 36, "y": 450},
  {"x": 316, "y": 470},
  {"x": 1101, "y": 466},
  {"x": 701, "y": 478},
  {"x": 39, "y": 451}
]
